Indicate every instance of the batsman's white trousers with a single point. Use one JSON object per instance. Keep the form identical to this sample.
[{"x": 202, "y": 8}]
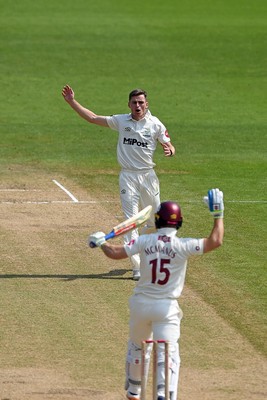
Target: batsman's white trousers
[
  {"x": 154, "y": 318},
  {"x": 138, "y": 189}
]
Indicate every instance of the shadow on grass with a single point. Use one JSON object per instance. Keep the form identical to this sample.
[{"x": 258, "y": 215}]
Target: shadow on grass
[{"x": 113, "y": 274}]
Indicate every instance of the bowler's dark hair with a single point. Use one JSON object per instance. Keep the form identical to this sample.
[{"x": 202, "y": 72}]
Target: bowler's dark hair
[{"x": 137, "y": 92}]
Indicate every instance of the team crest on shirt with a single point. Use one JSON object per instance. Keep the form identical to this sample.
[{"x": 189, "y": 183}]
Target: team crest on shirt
[
  {"x": 167, "y": 133},
  {"x": 164, "y": 238},
  {"x": 146, "y": 133}
]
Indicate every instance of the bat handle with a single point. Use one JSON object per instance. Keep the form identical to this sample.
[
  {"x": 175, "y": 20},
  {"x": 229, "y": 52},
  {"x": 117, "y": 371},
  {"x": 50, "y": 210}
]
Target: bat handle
[{"x": 110, "y": 235}]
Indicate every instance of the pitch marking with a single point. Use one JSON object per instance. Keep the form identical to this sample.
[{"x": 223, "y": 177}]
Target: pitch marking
[
  {"x": 20, "y": 190},
  {"x": 66, "y": 191},
  {"x": 37, "y": 202}
]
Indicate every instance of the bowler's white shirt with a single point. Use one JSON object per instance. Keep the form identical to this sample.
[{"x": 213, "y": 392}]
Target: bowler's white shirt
[
  {"x": 137, "y": 140},
  {"x": 163, "y": 262}
]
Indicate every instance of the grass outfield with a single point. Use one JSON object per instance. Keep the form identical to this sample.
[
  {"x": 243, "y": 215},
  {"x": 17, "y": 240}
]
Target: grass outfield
[{"x": 203, "y": 64}]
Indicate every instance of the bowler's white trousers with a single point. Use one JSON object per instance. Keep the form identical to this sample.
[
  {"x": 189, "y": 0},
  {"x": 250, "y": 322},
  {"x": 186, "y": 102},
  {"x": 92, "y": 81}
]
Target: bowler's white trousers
[{"x": 138, "y": 189}]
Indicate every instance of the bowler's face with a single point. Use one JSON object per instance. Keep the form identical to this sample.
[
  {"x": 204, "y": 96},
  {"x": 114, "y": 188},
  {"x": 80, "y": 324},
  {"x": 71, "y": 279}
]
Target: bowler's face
[{"x": 138, "y": 106}]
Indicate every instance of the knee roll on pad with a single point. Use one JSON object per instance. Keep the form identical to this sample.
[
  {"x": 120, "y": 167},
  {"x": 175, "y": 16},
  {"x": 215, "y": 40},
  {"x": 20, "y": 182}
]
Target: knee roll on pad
[
  {"x": 133, "y": 368},
  {"x": 134, "y": 364}
]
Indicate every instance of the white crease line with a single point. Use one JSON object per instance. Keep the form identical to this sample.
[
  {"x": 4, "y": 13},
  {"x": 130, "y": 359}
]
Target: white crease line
[
  {"x": 57, "y": 202},
  {"x": 247, "y": 201},
  {"x": 117, "y": 201},
  {"x": 20, "y": 190},
  {"x": 236, "y": 201},
  {"x": 66, "y": 191}
]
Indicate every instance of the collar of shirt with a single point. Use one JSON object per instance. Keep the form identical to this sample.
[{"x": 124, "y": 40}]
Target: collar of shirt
[{"x": 167, "y": 231}]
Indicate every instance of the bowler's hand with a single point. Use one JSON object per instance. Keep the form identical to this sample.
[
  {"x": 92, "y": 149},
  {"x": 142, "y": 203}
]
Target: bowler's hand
[
  {"x": 167, "y": 150},
  {"x": 67, "y": 93}
]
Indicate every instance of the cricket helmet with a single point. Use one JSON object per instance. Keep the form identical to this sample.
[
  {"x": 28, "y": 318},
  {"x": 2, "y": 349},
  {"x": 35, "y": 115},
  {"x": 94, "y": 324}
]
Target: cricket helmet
[{"x": 169, "y": 215}]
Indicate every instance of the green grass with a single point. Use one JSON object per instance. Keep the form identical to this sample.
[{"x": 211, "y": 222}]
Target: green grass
[{"x": 203, "y": 64}]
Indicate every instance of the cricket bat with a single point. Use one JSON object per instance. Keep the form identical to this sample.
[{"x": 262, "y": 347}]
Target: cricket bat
[{"x": 128, "y": 225}]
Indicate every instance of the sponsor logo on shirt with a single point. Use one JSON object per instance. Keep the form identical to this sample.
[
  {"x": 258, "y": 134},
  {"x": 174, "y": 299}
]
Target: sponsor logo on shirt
[
  {"x": 127, "y": 129},
  {"x": 133, "y": 142}
]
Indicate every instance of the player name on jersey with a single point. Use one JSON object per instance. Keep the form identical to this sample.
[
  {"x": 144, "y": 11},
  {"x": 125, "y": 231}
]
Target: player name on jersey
[{"x": 160, "y": 249}]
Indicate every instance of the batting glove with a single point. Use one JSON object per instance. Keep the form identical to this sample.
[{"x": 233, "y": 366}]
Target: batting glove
[
  {"x": 214, "y": 201},
  {"x": 96, "y": 239}
]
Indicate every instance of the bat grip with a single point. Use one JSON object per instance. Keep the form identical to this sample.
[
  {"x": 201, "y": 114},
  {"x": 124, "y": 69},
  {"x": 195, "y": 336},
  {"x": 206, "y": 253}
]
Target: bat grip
[{"x": 110, "y": 235}]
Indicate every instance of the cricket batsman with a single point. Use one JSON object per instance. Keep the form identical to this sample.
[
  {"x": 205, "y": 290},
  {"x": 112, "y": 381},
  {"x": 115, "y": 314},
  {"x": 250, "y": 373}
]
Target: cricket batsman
[{"x": 154, "y": 308}]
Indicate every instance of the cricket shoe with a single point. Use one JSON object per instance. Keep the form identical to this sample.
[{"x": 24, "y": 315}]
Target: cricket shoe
[
  {"x": 132, "y": 396},
  {"x": 136, "y": 274}
]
